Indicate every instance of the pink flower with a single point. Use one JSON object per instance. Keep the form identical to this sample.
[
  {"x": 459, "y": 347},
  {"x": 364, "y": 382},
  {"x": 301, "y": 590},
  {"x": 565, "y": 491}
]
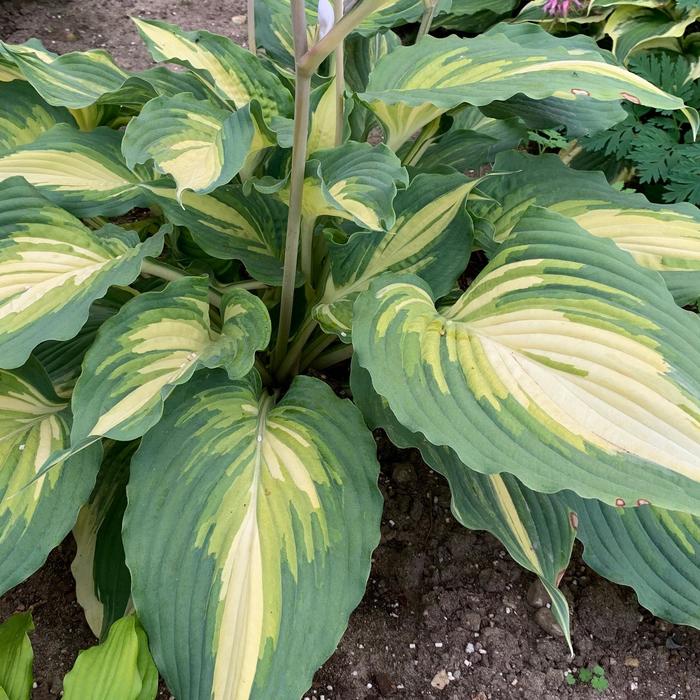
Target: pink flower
[{"x": 560, "y": 7}]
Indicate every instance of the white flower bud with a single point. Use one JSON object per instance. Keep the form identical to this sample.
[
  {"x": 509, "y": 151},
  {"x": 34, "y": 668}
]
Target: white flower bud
[{"x": 326, "y": 18}]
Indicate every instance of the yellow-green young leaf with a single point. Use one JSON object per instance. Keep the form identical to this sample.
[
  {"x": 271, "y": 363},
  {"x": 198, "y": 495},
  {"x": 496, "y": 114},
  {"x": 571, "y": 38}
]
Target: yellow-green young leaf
[
  {"x": 36, "y": 514},
  {"x": 662, "y": 237},
  {"x": 230, "y": 70},
  {"x": 121, "y": 668},
  {"x": 431, "y": 237},
  {"x": 230, "y": 224},
  {"x": 251, "y": 504},
  {"x": 155, "y": 342},
  {"x": 201, "y": 145},
  {"x": 24, "y": 116},
  {"x": 83, "y": 172},
  {"x": 355, "y": 181},
  {"x": 653, "y": 550},
  {"x": 102, "y": 581},
  {"x": 16, "y": 657},
  {"x": 535, "y": 528},
  {"x": 52, "y": 268},
  {"x": 564, "y": 363},
  {"x": 414, "y": 84},
  {"x": 635, "y": 28},
  {"x": 323, "y": 113},
  {"x": 74, "y": 80}
]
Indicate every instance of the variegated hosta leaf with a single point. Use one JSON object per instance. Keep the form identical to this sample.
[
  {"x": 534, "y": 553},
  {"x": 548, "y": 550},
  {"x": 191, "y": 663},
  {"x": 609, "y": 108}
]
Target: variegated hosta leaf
[
  {"x": 102, "y": 581},
  {"x": 83, "y": 172},
  {"x": 565, "y": 364},
  {"x": 635, "y": 28},
  {"x": 230, "y": 70},
  {"x": 8, "y": 73},
  {"x": 230, "y": 225},
  {"x": 63, "y": 360},
  {"x": 156, "y": 342},
  {"x": 355, "y": 181},
  {"x": 473, "y": 141},
  {"x": 121, "y": 668},
  {"x": 36, "y": 514},
  {"x": 16, "y": 657},
  {"x": 414, "y": 84},
  {"x": 431, "y": 238},
  {"x": 323, "y": 113},
  {"x": 533, "y": 527},
  {"x": 395, "y": 13},
  {"x": 24, "y": 116},
  {"x": 663, "y": 237},
  {"x": 362, "y": 54},
  {"x": 52, "y": 268},
  {"x": 168, "y": 83},
  {"x": 653, "y": 550},
  {"x": 72, "y": 80},
  {"x": 475, "y": 15},
  {"x": 250, "y": 503},
  {"x": 201, "y": 145}
]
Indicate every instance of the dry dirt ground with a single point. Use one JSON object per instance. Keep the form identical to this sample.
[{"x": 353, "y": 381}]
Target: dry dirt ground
[{"x": 441, "y": 601}]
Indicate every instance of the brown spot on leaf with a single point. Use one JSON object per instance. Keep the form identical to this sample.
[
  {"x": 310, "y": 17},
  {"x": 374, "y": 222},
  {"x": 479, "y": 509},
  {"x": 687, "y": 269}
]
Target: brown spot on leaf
[
  {"x": 573, "y": 519},
  {"x": 580, "y": 91},
  {"x": 642, "y": 502},
  {"x": 619, "y": 502},
  {"x": 631, "y": 98}
]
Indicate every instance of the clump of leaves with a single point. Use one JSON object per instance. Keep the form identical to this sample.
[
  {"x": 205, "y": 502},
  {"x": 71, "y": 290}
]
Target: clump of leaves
[
  {"x": 655, "y": 143},
  {"x": 593, "y": 676}
]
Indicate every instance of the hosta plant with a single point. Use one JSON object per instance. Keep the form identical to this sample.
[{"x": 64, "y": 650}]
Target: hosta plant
[{"x": 184, "y": 253}]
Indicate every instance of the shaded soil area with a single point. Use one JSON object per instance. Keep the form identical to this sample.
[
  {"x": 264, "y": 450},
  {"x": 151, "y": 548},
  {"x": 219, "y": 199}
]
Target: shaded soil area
[
  {"x": 446, "y": 613},
  {"x": 76, "y": 25}
]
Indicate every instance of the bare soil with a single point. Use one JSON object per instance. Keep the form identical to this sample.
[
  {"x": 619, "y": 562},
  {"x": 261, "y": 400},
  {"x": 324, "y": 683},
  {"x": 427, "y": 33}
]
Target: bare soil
[{"x": 442, "y": 602}]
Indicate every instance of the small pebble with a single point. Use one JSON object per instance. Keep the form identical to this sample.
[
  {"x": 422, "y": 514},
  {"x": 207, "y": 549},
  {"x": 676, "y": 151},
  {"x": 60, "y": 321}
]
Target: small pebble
[{"x": 440, "y": 680}]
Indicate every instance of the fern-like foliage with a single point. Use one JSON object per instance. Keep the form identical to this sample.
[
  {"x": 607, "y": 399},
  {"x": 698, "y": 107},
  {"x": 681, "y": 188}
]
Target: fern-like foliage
[{"x": 657, "y": 144}]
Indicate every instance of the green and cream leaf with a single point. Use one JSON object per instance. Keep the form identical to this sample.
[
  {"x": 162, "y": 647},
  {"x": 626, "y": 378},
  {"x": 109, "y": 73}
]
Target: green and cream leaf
[
  {"x": 565, "y": 364},
  {"x": 534, "y": 527},
  {"x": 83, "y": 172},
  {"x": 102, "y": 581},
  {"x": 73, "y": 80},
  {"x": 431, "y": 237},
  {"x": 36, "y": 513},
  {"x": 52, "y": 268},
  {"x": 229, "y": 224},
  {"x": 234, "y": 73},
  {"x": 355, "y": 181},
  {"x": 155, "y": 342},
  {"x": 661, "y": 237},
  {"x": 250, "y": 502},
  {"x": 24, "y": 116},
  {"x": 413, "y": 85},
  {"x": 200, "y": 144}
]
